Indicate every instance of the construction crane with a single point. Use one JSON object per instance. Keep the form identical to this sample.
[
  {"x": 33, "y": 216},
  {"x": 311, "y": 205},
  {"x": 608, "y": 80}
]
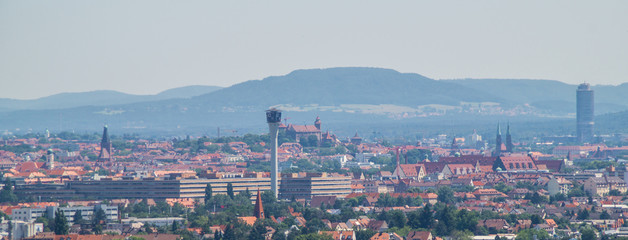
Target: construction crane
[{"x": 226, "y": 130}]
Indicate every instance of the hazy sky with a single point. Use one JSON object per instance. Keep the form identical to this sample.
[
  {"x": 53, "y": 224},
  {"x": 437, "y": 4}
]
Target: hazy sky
[{"x": 144, "y": 47}]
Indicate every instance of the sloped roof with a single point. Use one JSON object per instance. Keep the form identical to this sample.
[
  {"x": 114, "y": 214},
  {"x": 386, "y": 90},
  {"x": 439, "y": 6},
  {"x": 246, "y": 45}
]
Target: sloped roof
[
  {"x": 318, "y": 200},
  {"x": 554, "y": 165},
  {"x": 410, "y": 170},
  {"x": 511, "y": 162},
  {"x": 419, "y": 235},
  {"x": 470, "y": 159},
  {"x": 432, "y": 167},
  {"x": 250, "y": 220},
  {"x": 303, "y": 128},
  {"x": 29, "y": 166}
]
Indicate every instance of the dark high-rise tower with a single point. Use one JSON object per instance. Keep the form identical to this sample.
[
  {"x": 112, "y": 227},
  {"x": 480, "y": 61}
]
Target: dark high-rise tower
[
  {"x": 508, "y": 139},
  {"x": 105, "y": 147},
  {"x": 498, "y": 142},
  {"x": 584, "y": 112}
]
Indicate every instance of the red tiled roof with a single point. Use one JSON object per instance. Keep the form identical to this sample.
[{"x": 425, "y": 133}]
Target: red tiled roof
[
  {"x": 521, "y": 162},
  {"x": 303, "y": 128},
  {"x": 470, "y": 159},
  {"x": 419, "y": 235},
  {"x": 432, "y": 167},
  {"x": 410, "y": 170}
]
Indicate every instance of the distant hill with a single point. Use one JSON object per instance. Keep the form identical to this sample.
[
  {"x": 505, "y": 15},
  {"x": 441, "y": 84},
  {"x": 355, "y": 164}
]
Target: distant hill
[
  {"x": 336, "y": 86},
  {"x": 550, "y": 95},
  {"x": 99, "y": 98},
  {"x": 186, "y": 92},
  {"x": 375, "y": 100},
  {"x": 521, "y": 90},
  {"x": 612, "y": 123}
]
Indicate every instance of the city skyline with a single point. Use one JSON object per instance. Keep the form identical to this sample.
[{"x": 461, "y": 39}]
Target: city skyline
[
  {"x": 148, "y": 47},
  {"x": 423, "y": 120}
]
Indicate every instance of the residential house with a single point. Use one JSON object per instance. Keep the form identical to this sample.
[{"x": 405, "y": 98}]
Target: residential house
[
  {"x": 494, "y": 225},
  {"x": 488, "y": 194},
  {"x": 386, "y": 236},
  {"x": 419, "y": 235},
  {"x": 601, "y": 186},
  {"x": 558, "y": 185}
]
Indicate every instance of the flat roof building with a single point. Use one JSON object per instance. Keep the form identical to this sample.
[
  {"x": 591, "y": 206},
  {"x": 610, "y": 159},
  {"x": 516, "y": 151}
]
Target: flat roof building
[{"x": 308, "y": 185}]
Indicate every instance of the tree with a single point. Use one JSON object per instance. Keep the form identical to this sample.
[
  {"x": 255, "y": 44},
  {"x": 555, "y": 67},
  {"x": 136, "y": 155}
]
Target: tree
[
  {"x": 537, "y": 198},
  {"x": 396, "y": 219},
  {"x": 303, "y": 141},
  {"x": 560, "y": 197},
  {"x": 466, "y": 221},
  {"x": 414, "y": 219},
  {"x": 588, "y": 233},
  {"x": 136, "y": 238},
  {"x": 10, "y": 229},
  {"x": 247, "y": 193},
  {"x": 314, "y": 236},
  {"x": 217, "y": 235},
  {"x": 99, "y": 217},
  {"x": 532, "y": 234},
  {"x": 502, "y": 187},
  {"x": 536, "y": 219},
  {"x": 258, "y": 231},
  {"x": 175, "y": 226},
  {"x": 230, "y": 190},
  {"x": 461, "y": 235},
  {"x": 576, "y": 191},
  {"x": 605, "y": 215},
  {"x": 148, "y": 229},
  {"x": 314, "y": 225},
  {"x": 312, "y": 140},
  {"x": 97, "y": 229},
  {"x": 583, "y": 214},
  {"x": 229, "y": 233},
  {"x": 208, "y": 192},
  {"x": 426, "y": 218},
  {"x": 364, "y": 234},
  {"x": 61, "y": 223},
  {"x": 6, "y": 194},
  {"x": 446, "y": 220},
  {"x": 418, "y": 155},
  {"x": 78, "y": 217},
  {"x": 227, "y": 149},
  {"x": 445, "y": 195}
]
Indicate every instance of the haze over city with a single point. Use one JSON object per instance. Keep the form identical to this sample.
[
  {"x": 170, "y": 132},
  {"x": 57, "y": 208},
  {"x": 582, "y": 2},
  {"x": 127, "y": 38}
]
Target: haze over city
[
  {"x": 320, "y": 120},
  {"x": 145, "y": 47}
]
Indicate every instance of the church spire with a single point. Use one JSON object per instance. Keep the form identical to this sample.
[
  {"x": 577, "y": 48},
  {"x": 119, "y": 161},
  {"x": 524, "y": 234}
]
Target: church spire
[
  {"x": 259, "y": 209},
  {"x": 509, "y": 145},
  {"x": 105, "y": 146},
  {"x": 498, "y": 142}
]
